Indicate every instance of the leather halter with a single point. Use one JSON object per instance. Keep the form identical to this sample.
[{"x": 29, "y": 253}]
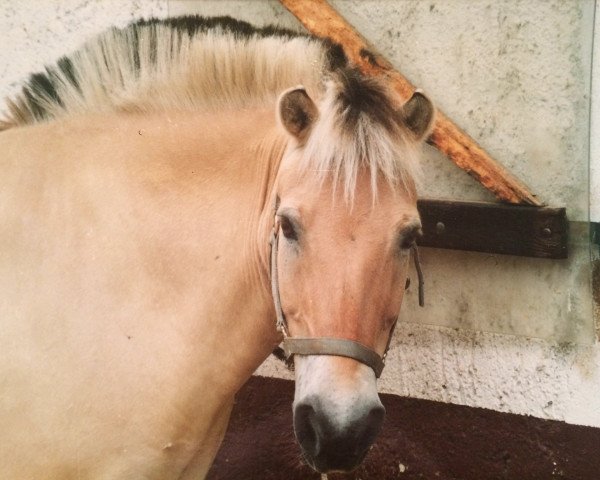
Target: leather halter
[{"x": 325, "y": 345}]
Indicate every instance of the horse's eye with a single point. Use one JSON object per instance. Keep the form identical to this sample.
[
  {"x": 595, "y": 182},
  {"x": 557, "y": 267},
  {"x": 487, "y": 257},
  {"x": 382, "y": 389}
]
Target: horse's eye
[
  {"x": 409, "y": 239},
  {"x": 407, "y": 242},
  {"x": 288, "y": 229}
]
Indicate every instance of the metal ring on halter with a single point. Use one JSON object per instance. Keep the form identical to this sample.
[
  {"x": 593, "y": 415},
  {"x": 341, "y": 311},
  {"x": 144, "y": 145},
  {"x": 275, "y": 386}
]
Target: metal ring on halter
[{"x": 327, "y": 346}]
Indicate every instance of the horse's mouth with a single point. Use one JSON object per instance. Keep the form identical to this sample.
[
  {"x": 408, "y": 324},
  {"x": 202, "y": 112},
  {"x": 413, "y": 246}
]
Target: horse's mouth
[{"x": 339, "y": 464}]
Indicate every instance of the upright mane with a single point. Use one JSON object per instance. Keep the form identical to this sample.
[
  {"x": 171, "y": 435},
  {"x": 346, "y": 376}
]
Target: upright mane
[
  {"x": 182, "y": 63},
  {"x": 192, "y": 63}
]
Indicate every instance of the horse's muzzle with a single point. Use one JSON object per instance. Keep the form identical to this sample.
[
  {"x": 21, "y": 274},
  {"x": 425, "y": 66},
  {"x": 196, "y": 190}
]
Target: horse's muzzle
[{"x": 333, "y": 445}]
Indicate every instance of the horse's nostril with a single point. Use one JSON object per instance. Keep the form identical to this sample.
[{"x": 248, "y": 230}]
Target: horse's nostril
[
  {"x": 373, "y": 421},
  {"x": 306, "y": 428}
]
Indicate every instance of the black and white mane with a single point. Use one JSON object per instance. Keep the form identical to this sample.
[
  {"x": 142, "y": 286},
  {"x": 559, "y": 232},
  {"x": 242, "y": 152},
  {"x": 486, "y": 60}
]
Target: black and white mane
[{"x": 195, "y": 63}]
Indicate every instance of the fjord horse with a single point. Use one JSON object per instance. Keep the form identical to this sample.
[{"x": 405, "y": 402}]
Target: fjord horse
[{"x": 145, "y": 180}]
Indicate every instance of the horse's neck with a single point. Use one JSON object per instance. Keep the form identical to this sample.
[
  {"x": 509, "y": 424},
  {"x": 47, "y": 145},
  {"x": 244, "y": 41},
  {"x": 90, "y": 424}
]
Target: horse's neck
[
  {"x": 198, "y": 189},
  {"x": 141, "y": 272},
  {"x": 225, "y": 165}
]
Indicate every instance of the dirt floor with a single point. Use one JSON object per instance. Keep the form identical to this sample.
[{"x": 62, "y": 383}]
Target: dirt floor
[{"x": 420, "y": 440}]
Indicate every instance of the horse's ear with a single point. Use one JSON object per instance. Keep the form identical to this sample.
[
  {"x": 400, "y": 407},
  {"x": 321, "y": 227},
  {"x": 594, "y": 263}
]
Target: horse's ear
[
  {"x": 418, "y": 115},
  {"x": 297, "y": 112}
]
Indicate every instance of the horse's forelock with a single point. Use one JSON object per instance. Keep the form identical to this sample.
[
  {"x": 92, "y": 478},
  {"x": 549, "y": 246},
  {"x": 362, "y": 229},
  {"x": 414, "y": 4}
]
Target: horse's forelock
[{"x": 360, "y": 129}]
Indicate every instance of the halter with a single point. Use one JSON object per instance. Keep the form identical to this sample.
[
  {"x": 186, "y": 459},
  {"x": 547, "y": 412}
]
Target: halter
[{"x": 325, "y": 345}]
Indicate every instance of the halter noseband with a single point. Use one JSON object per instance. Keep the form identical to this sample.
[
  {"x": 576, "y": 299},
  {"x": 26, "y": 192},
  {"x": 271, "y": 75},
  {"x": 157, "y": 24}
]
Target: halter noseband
[{"x": 324, "y": 345}]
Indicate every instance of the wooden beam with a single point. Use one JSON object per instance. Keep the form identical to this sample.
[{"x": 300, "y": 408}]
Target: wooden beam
[
  {"x": 323, "y": 21},
  {"x": 494, "y": 228}
]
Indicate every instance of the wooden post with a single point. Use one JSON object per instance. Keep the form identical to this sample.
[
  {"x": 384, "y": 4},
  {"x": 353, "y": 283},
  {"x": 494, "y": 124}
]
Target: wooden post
[{"x": 323, "y": 21}]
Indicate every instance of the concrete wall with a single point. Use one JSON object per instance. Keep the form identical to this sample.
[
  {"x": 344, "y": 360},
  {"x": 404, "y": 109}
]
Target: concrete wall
[
  {"x": 516, "y": 76},
  {"x": 37, "y": 33},
  {"x": 595, "y": 125}
]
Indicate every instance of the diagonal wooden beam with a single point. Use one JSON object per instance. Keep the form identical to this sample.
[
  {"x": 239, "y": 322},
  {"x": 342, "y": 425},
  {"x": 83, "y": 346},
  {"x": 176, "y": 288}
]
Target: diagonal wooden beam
[{"x": 323, "y": 21}]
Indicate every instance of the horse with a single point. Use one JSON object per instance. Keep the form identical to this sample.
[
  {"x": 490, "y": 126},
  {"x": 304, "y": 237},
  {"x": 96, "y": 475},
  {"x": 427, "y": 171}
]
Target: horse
[{"x": 176, "y": 197}]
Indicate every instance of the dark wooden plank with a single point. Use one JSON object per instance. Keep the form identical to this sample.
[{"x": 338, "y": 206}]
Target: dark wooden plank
[{"x": 494, "y": 228}]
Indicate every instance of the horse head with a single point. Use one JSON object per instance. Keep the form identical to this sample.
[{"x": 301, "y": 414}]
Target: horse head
[{"x": 345, "y": 218}]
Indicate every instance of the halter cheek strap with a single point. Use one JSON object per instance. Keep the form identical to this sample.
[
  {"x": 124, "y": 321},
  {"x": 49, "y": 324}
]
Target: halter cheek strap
[
  {"x": 324, "y": 345},
  {"x": 281, "y": 323}
]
